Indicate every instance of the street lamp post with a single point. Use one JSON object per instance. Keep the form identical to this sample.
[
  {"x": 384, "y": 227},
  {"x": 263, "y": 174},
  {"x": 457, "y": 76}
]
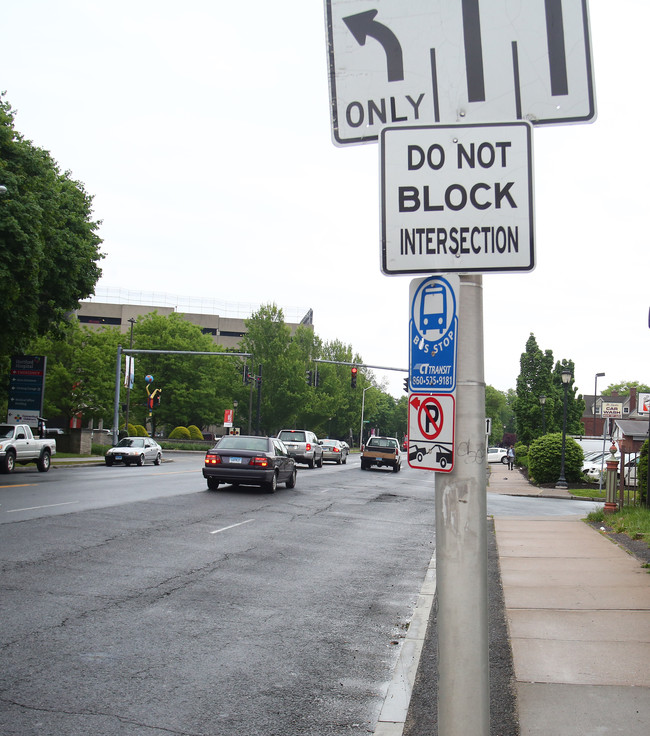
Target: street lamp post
[
  {"x": 593, "y": 424},
  {"x": 542, "y": 401},
  {"x": 566, "y": 379}
]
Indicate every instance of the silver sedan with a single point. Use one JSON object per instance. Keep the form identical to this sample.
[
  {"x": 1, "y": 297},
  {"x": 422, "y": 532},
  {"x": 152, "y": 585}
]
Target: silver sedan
[{"x": 135, "y": 451}]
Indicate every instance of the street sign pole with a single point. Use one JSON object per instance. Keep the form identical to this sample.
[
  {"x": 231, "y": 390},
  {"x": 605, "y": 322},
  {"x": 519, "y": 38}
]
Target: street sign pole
[{"x": 461, "y": 541}]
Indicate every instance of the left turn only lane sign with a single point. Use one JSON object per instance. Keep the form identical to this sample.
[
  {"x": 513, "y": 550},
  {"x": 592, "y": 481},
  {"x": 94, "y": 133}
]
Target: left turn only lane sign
[{"x": 431, "y": 431}]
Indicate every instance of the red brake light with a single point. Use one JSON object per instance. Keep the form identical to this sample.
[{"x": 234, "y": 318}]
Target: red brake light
[
  {"x": 212, "y": 459},
  {"x": 336, "y": 449},
  {"x": 260, "y": 462},
  {"x": 308, "y": 447}
]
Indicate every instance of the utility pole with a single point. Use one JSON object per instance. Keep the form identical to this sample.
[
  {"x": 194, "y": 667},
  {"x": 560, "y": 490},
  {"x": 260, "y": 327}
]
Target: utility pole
[
  {"x": 128, "y": 387},
  {"x": 259, "y": 400},
  {"x": 461, "y": 541}
]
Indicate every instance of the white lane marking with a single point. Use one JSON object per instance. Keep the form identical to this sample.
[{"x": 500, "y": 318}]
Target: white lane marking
[
  {"x": 35, "y": 508},
  {"x": 232, "y": 526}
]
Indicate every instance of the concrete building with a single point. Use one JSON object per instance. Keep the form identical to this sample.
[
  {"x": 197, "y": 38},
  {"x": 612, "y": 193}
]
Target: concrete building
[{"x": 226, "y": 331}]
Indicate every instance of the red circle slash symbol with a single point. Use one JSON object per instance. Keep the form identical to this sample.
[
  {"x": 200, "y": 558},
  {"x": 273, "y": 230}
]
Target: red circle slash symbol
[{"x": 430, "y": 418}]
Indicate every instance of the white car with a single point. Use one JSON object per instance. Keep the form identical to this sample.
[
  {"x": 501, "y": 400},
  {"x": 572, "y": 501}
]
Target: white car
[
  {"x": 134, "y": 451},
  {"x": 497, "y": 455}
]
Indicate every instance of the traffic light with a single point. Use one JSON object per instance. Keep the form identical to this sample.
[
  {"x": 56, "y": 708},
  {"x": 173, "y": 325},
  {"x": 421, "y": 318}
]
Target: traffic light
[
  {"x": 353, "y": 377},
  {"x": 308, "y": 376},
  {"x": 246, "y": 376},
  {"x": 406, "y": 385}
]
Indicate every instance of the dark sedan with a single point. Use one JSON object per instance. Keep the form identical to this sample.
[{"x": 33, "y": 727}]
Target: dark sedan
[{"x": 254, "y": 461}]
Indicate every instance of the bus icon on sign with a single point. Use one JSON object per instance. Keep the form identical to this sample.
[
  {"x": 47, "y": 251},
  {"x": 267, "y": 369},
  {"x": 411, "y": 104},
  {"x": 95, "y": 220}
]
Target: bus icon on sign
[{"x": 433, "y": 308}]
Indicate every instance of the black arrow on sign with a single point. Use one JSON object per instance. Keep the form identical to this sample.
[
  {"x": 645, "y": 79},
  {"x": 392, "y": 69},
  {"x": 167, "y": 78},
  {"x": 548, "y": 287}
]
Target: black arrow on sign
[{"x": 363, "y": 25}]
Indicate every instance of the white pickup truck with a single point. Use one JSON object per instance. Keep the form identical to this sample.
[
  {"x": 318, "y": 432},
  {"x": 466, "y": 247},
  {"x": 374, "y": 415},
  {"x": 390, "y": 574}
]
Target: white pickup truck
[{"x": 18, "y": 445}]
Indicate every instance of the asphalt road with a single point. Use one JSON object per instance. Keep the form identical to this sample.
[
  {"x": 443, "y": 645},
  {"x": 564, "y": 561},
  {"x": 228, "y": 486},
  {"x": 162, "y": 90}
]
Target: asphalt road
[{"x": 135, "y": 601}]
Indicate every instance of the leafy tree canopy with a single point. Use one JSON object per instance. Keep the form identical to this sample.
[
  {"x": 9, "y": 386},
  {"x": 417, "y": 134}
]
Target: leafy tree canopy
[
  {"x": 623, "y": 388},
  {"x": 49, "y": 247},
  {"x": 539, "y": 377}
]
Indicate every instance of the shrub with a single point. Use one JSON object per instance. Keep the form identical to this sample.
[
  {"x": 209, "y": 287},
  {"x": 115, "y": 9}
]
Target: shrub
[
  {"x": 545, "y": 459},
  {"x": 195, "y": 432},
  {"x": 140, "y": 431},
  {"x": 180, "y": 433},
  {"x": 521, "y": 454},
  {"x": 129, "y": 431}
]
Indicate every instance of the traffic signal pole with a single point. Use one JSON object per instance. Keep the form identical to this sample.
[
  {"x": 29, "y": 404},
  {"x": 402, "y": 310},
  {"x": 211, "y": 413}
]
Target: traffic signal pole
[{"x": 461, "y": 540}]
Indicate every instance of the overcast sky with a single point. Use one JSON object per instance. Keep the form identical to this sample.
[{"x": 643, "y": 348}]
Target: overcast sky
[{"x": 202, "y": 129}]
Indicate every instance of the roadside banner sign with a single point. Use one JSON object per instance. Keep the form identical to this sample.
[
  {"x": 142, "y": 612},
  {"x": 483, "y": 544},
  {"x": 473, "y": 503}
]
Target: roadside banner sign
[
  {"x": 26, "y": 389},
  {"x": 433, "y": 333},
  {"x": 227, "y": 418},
  {"x": 457, "y": 198},
  {"x": 431, "y": 431},
  {"x": 430, "y": 61}
]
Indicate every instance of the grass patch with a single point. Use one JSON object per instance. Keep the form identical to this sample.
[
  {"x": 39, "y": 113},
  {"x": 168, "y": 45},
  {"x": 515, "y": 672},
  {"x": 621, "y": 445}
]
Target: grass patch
[
  {"x": 631, "y": 520},
  {"x": 589, "y": 493}
]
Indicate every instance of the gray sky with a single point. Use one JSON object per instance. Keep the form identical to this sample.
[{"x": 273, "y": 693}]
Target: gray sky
[{"x": 202, "y": 129}]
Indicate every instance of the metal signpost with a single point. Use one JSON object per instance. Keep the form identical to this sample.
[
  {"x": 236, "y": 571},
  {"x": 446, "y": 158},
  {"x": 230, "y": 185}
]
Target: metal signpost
[
  {"x": 451, "y": 88},
  {"x": 445, "y": 61}
]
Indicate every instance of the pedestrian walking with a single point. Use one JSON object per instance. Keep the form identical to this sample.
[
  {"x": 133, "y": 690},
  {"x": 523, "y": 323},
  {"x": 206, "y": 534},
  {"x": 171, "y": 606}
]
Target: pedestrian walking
[{"x": 511, "y": 458}]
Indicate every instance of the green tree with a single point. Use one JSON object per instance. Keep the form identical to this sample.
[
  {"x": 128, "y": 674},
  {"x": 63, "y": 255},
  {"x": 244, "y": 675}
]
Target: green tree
[
  {"x": 80, "y": 375},
  {"x": 195, "y": 389},
  {"x": 575, "y": 402},
  {"x": 534, "y": 380},
  {"x": 49, "y": 247},
  {"x": 623, "y": 388},
  {"x": 283, "y": 387},
  {"x": 498, "y": 407}
]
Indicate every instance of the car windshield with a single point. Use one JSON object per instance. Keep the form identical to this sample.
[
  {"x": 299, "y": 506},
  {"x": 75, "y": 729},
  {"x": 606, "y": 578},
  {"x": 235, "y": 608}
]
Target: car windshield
[
  {"x": 234, "y": 442},
  {"x": 131, "y": 442},
  {"x": 292, "y": 436}
]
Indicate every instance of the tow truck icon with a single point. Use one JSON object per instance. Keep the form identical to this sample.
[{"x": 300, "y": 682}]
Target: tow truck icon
[{"x": 443, "y": 454}]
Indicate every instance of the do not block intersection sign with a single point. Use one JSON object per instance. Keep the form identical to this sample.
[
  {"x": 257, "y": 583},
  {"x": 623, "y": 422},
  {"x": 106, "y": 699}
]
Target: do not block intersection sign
[{"x": 431, "y": 431}]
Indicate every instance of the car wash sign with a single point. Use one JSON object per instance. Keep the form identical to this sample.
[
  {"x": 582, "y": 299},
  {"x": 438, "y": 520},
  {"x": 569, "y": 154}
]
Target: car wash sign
[
  {"x": 423, "y": 62},
  {"x": 457, "y": 198}
]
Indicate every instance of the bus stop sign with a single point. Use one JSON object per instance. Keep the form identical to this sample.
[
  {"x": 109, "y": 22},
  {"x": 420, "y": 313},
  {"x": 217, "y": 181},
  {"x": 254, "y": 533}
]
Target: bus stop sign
[{"x": 433, "y": 334}]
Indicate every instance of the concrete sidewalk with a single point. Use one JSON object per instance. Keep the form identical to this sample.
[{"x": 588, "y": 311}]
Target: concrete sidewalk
[{"x": 578, "y": 612}]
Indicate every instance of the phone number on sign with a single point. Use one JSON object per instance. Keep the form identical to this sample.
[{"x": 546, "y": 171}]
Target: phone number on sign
[{"x": 432, "y": 381}]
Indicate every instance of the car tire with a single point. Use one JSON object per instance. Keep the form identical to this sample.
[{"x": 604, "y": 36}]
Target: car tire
[
  {"x": 338, "y": 460},
  {"x": 320, "y": 462},
  {"x": 272, "y": 485},
  {"x": 345, "y": 460},
  {"x": 443, "y": 463},
  {"x": 312, "y": 463},
  {"x": 43, "y": 463},
  {"x": 9, "y": 463},
  {"x": 396, "y": 468},
  {"x": 158, "y": 459},
  {"x": 363, "y": 465},
  {"x": 504, "y": 460},
  {"x": 140, "y": 460},
  {"x": 291, "y": 480},
  {"x": 108, "y": 461},
  {"x": 213, "y": 484}
]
